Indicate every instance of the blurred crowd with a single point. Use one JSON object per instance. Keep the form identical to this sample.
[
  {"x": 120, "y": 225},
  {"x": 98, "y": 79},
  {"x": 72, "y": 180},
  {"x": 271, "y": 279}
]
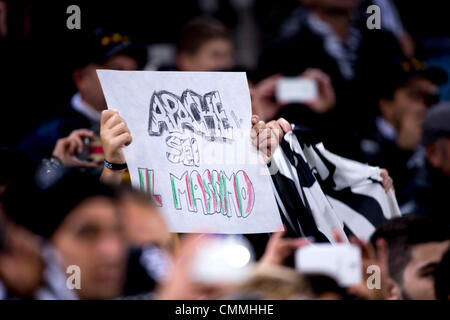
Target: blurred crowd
[{"x": 381, "y": 100}]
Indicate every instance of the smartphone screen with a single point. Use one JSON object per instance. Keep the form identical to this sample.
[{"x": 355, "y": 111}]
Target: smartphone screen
[{"x": 296, "y": 90}]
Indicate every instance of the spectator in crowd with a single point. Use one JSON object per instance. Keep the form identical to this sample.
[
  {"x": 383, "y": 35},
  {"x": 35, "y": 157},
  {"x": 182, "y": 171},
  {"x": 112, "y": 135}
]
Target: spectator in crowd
[
  {"x": 26, "y": 258},
  {"x": 331, "y": 40},
  {"x": 204, "y": 44},
  {"x": 390, "y": 20},
  {"x": 415, "y": 247},
  {"x": 81, "y": 227},
  {"x": 101, "y": 50},
  {"x": 431, "y": 179},
  {"x": 266, "y": 106},
  {"x": 67, "y": 154},
  {"x": 88, "y": 234},
  {"x": 66, "y": 233},
  {"x": 397, "y": 132}
]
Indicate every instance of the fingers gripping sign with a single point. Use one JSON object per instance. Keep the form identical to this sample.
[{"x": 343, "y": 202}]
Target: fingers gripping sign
[
  {"x": 115, "y": 135},
  {"x": 267, "y": 136}
]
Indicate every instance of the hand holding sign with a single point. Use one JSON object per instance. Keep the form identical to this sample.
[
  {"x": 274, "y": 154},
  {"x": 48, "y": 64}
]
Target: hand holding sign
[
  {"x": 266, "y": 136},
  {"x": 191, "y": 148},
  {"x": 115, "y": 135}
]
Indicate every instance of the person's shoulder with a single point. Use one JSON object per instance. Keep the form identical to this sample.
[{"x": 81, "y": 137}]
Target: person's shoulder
[
  {"x": 421, "y": 178},
  {"x": 373, "y": 134},
  {"x": 57, "y": 127},
  {"x": 70, "y": 119},
  {"x": 55, "y": 124},
  {"x": 46, "y": 129}
]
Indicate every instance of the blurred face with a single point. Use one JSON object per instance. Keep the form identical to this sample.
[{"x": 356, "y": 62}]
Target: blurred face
[
  {"x": 413, "y": 98},
  {"x": 88, "y": 83},
  {"x": 418, "y": 276},
  {"x": 144, "y": 224},
  {"x": 91, "y": 238},
  {"x": 216, "y": 54}
]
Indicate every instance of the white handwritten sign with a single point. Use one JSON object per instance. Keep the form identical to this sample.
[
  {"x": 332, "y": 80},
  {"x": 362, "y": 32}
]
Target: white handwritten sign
[{"x": 191, "y": 149}]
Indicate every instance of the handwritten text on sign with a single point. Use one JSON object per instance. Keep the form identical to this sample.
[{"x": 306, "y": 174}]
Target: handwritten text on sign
[{"x": 188, "y": 129}]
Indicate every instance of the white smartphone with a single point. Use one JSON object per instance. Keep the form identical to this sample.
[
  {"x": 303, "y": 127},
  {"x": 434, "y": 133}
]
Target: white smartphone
[
  {"x": 296, "y": 90},
  {"x": 341, "y": 262}
]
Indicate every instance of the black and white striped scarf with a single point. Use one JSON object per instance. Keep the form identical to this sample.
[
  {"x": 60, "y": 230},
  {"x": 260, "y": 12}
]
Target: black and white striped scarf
[{"x": 318, "y": 191}]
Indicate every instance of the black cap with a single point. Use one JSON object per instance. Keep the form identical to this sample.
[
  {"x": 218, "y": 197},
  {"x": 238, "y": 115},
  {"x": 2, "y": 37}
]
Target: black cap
[
  {"x": 436, "y": 123},
  {"x": 405, "y": 70},
  {"x": 100, "y": 45}
]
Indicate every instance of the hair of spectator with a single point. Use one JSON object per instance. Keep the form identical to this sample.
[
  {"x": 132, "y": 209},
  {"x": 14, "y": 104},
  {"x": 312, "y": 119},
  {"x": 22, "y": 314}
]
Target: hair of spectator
[
  {"x": 127, "y": 192},
  {"x": 199, "y": 31},
  {"x": 402, "y": 234}
]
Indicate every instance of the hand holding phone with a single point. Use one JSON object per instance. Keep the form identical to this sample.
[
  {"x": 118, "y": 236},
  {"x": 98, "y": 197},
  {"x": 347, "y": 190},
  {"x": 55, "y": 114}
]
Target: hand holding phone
[{"x": 296, "y": 90}]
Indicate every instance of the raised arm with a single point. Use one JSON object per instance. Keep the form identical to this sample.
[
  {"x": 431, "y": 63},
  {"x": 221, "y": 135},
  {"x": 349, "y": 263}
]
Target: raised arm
[{"x": 115, "y": 135}]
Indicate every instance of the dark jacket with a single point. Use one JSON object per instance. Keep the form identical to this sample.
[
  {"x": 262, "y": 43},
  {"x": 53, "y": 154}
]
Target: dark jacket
[
  {"x": 430, "y": 191},
  {"x": 383, "y": 152},
  {"x": 40, "y": 143}
]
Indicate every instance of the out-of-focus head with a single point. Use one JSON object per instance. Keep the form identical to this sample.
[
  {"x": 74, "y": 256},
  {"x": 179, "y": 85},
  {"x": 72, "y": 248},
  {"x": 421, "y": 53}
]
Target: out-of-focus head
[
  {"x": 143, "y": 222},
  {"x": 104, "y": 50},
  {"x": 436, "y": 137},
  {"x": 416, "y": 245},
  {"x": 84, "y": 226},
  {"x": 204, "y": 45},
  {"x": 332, "y": 6},
  {"x": 79, "y": 217},
  {"x": 90, "y": 237},
  {"x": 410, "y": 88}
]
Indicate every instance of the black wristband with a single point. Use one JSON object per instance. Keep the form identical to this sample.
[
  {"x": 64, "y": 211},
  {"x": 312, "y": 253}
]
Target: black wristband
[{"x": 115, "y": 166}]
